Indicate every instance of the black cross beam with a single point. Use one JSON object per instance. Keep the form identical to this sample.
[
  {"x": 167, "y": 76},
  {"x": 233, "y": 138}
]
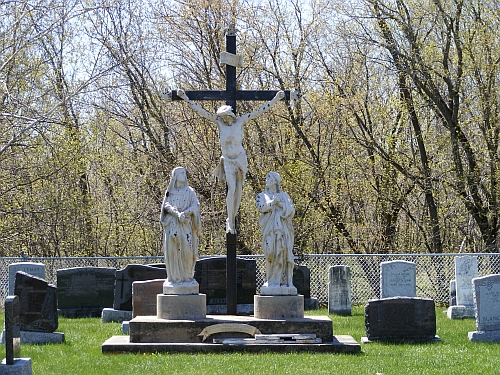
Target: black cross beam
[{"x": 231, "y": 95}]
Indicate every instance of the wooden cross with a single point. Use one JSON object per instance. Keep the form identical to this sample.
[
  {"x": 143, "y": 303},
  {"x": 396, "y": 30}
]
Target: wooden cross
[{"x": 231, "y": 95}]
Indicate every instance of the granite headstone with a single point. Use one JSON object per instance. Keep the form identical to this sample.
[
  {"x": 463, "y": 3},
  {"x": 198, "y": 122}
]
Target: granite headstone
[
  {"x": 486, "y": 293},
  {"x": 210, "y": 273},
  {"x": 38, "y": 303},
  {"x": 31, "y": 268},
  {"x": 398, "y": 279},
  {"x": 400, "y": 319},
  {"x": 127, "y": 276},
  {"x": 12, "y": 329},
  {"x": 85, "y": 291},
  {"x": 339, "y": 290},
  {"x": 465, "y": 270}
]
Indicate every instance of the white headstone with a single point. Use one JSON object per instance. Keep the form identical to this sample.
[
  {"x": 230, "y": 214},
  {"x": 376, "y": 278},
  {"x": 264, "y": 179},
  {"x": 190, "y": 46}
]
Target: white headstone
[
  {"x": 397, "y": 279},
  {"x": 31, "y": 268},
  {"x": 339, "y": 290},
  {"x": 465, "y": 271},
  {"x": 486, "y": 291},
  {"x": 487, "y": 302}
]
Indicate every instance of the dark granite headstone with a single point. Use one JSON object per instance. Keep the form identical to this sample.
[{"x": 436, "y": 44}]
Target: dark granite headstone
[
  {"x": 12, "y": 329},
  {"x": 400, "y": 319},
  {"x": 211, "y": 275},
  {"x": 453, "y": 293},
  {"x": 85, "y": 291},
  {"x": 131, "y": 273},
  {"x": 302, "y": 280},
  {"x": 38, "y": 303}
]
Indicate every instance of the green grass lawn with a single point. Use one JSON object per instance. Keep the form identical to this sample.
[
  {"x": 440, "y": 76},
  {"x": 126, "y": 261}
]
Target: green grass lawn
[{"x": 81, "y": 354}]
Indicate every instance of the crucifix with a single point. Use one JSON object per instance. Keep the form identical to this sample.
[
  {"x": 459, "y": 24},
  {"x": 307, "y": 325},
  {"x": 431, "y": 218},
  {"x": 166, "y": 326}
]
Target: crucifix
[{"x": 233, "y": 164}]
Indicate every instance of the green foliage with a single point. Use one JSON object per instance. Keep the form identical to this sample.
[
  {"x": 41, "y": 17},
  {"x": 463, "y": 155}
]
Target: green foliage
[{"x": 392, "y": 148}]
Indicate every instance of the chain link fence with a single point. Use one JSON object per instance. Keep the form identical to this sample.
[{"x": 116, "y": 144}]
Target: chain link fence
[{"x": 433, "y": 275}]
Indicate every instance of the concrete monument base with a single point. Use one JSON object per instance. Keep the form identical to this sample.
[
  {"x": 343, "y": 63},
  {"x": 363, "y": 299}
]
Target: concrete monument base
[
  {"x": 110, "y": 315},
  {"x": 21, "y": 366},
  {"x": 460, "y": 312},
  {"x": 181, "y": 306},
  {"x": 278, "y": 307},
  {"x": 149, "y": 334},
  {"x": 485, "y": 336}
]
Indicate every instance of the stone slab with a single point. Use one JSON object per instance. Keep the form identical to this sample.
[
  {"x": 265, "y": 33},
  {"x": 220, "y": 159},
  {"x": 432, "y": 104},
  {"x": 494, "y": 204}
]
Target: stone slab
[
  {"x": 110, "y": 315},
  {"x": 241, "y": 309},
  {"x": 465, "y": 270},
  {"x": 185, "y": 288},
  {"x": 364, "y": 340},
  {"x": 144, "y": 296},
  {"x": 460, "y": 312},
  {"x": 397, "y": 279},
  {"x": 31, "y": 268},
  {"x": 453, "y": 293},
  {"x": 487, "y": 302},
  {"x": 211, "y": 275},
  {"x": 11, "y": 336},
  {"x": 123, "y": 294},
  {"x": 484, "y": 336},
  {"x": 278, "y": 307},
  {"x": 149, "y": 329},
  {"x": 339, "y": 344},
  {"x": 38, "y": 303},
  {"x": 21, "y": 366},
  {"x": 181, "y": 306},
  {"x": 400, "y": 319},
  {"x": 302, "y": 280},
  {"x": 339, "y": 290},
  {"x": 278, "y": 291},
  {"x": 28, "y": 337},
  {"x": 85, "y": 291}
]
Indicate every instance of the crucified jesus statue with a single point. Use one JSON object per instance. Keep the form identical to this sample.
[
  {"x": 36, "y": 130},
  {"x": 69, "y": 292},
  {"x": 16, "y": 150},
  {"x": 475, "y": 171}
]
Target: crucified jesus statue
[{"x": 233, "y": 164}]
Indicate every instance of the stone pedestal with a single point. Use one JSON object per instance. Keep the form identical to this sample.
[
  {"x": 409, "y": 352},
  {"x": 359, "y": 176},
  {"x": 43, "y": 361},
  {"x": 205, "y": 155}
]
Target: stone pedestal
[
  {"x": 21, "y": 366},
  {"x": 278, "y": 307},
  {"x": 109, "y": 315},
  {"x": 278, "y": 291},
  {"x": 181, "y": 306},
  {"x": 184, "y": 288},
  {"x": 460, "y": 312},
  {"x": 484, "y": 336}
]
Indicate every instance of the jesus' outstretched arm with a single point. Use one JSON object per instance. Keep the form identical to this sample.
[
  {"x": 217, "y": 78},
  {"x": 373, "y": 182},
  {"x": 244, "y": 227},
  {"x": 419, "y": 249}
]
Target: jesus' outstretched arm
[{"x": 204, "y": 113}]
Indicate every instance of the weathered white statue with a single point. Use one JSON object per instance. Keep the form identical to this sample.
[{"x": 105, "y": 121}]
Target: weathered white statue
[
  {"x": 233, "y": 163},
  {"x": 276, "y": 213},
  {"x": 181, "y": 222}
]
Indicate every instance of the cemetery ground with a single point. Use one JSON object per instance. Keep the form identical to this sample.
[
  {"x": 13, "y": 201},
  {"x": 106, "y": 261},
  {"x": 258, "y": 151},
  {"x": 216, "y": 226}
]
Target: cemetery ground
[{"x": 81, "y": 354}]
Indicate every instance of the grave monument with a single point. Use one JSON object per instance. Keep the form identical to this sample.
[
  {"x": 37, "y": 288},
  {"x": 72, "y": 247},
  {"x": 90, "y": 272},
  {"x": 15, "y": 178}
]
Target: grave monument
[
  {"x": 85, "y": 291},
  {"x": 399, "y": 316},
  {"x": 486, "y": 293},
  {"x": 12, "y": 364},
  {"x": 339, "y": 290},
  {"x": 31, "y": 268},
  {"x": 182, "y": 332},
  {"x": 398, "y": 279},
  {"x": 465, "y": 270}
]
